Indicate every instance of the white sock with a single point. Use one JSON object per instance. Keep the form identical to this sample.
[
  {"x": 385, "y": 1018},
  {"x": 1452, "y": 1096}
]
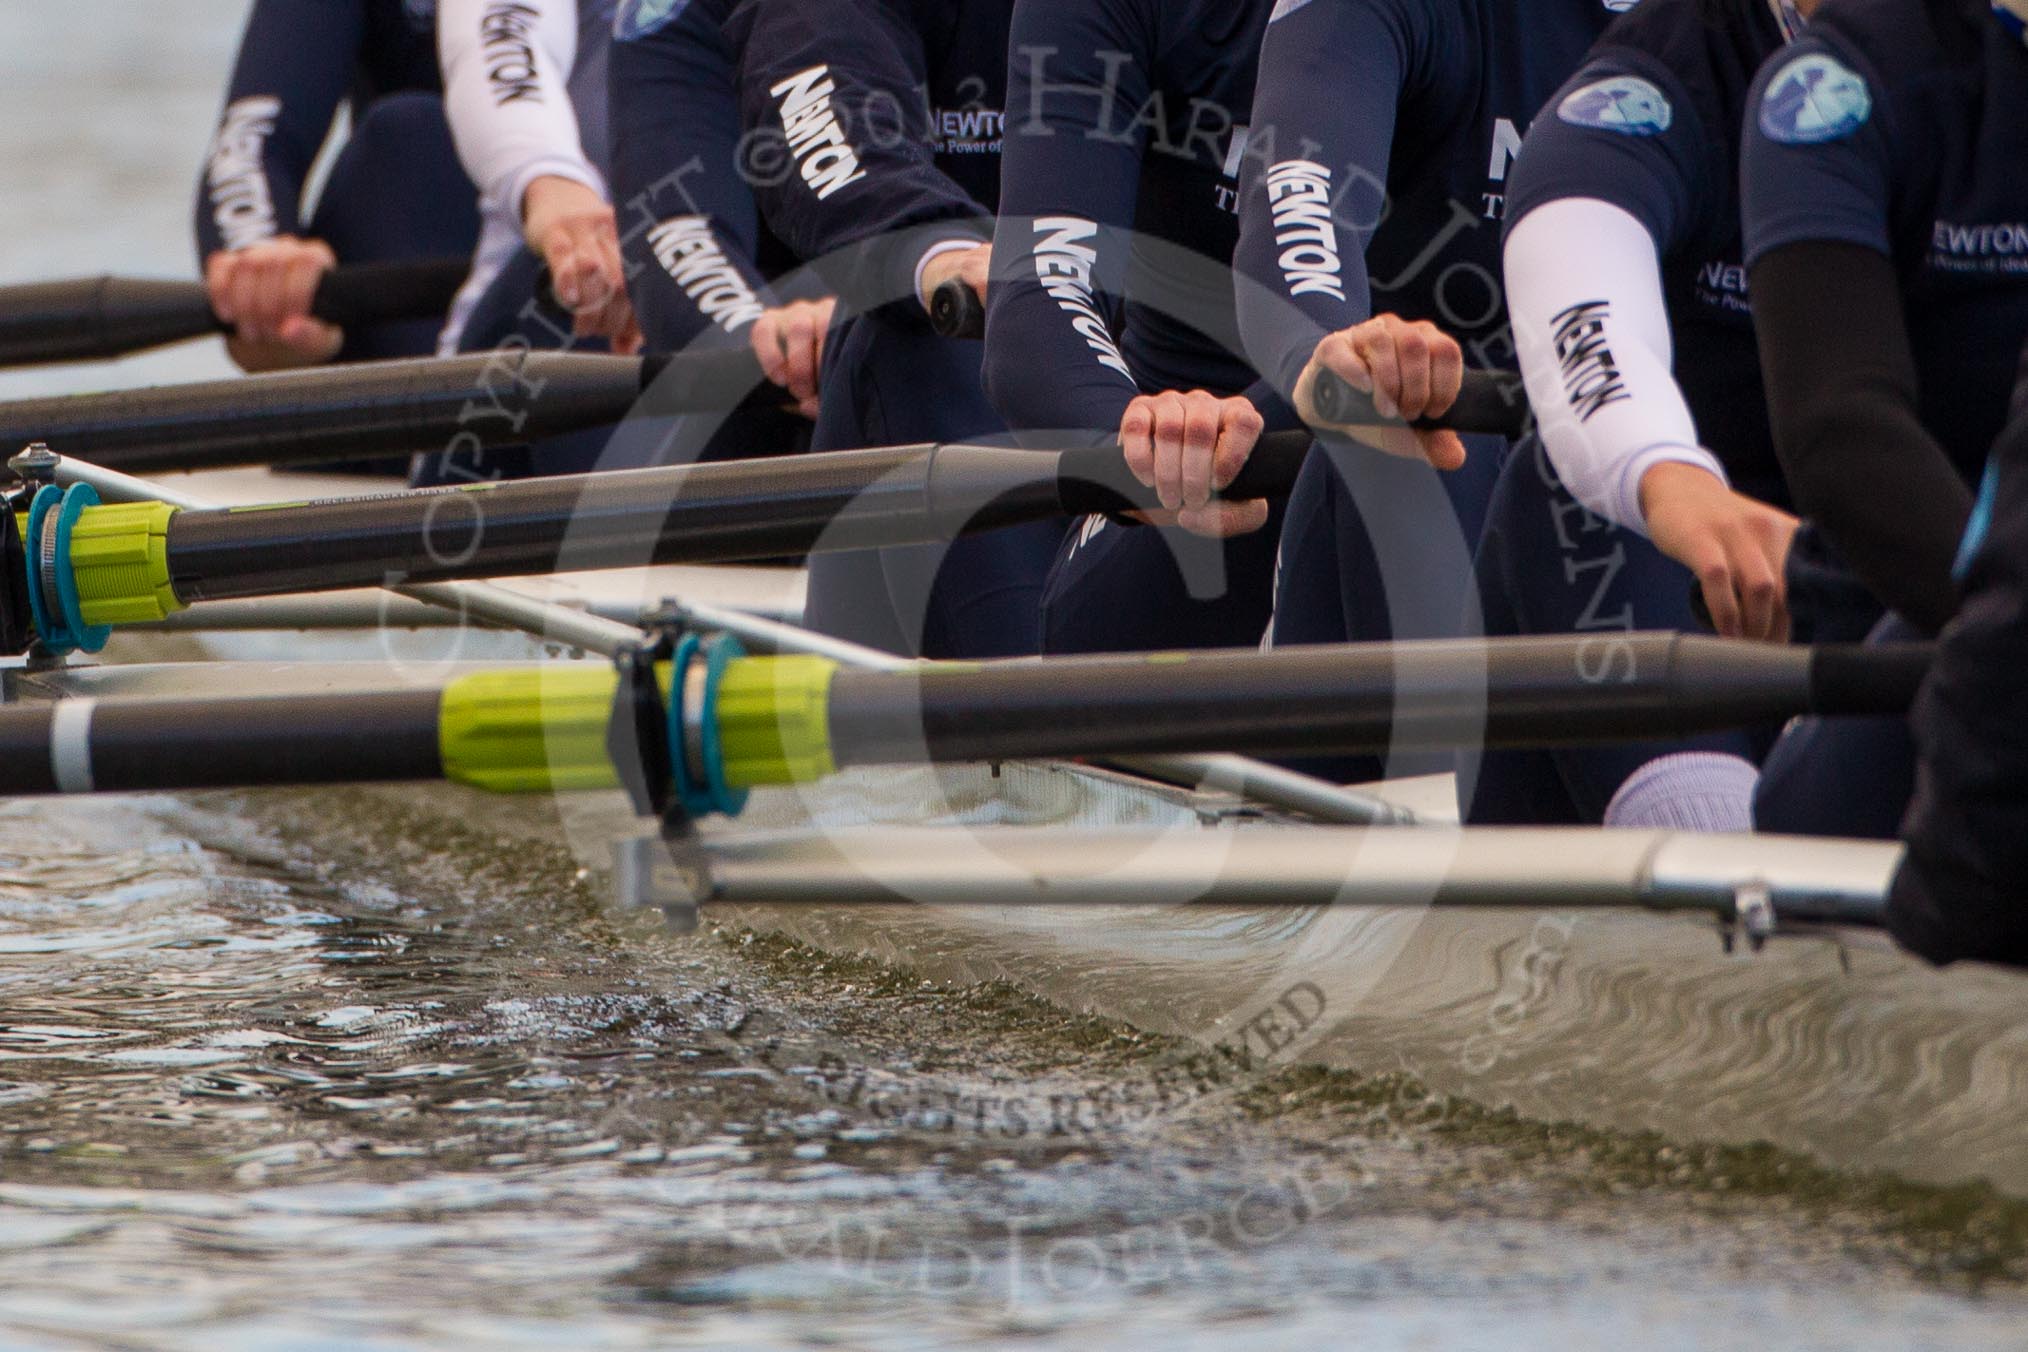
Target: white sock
[{"x": 1689, "y": 791}]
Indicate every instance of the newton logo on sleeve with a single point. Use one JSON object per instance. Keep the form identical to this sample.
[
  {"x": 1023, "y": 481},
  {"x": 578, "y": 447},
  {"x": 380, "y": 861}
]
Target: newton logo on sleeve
[{"x": 1814, "y": 98}]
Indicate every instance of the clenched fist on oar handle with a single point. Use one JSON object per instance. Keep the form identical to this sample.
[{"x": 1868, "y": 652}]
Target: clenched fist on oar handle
[
  {"x": 1187, "y": 446},
  {"x": 264, "y": 293},
  {"x": 1410, "y": 370}
]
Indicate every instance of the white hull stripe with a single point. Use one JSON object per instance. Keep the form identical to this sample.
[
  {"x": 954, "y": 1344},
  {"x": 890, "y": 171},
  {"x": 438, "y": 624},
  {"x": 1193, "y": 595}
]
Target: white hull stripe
[{"x": 70, "y": 744}]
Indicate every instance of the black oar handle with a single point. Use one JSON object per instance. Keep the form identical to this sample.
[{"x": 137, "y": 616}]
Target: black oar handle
[
  {"x": 95, "y": 318},
  {"x": 1096, "y": 478},
  {"x": 956, "y": 311},
  {"x": 1489, "y": 401},
  {"x": 376, "y": 293},
  {"x": 1868, "y": 679},
  {"x": 354, "y": 409}
]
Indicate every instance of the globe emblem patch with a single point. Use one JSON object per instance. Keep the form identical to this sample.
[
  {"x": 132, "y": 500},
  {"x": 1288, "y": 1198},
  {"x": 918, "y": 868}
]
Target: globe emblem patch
[
  {"x": 1624, "y": 103},
  {"x": 638, "y": 18},
  {"x": 1814, "y": 98}
]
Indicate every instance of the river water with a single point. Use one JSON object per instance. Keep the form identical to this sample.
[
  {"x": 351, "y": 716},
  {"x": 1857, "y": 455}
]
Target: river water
[{"x": 281, "y": 1073}]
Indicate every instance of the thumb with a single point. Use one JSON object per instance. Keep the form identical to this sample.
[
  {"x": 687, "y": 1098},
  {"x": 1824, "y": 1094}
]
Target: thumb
[{"x": 1444, "y": 450}]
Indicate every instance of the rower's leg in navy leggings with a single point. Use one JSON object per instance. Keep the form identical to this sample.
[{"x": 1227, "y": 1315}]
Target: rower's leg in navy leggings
[
  {"x": 510, "y": 313},
  {"x": 1508, "y": 787},
  {"x": 978, "y": 596},
  {"x": 1377, "y": 548},
  {"x": 848, "y": 591},
  {"x": 1131, "y": 588},
  {"x": 396, "y": 191},
  {"x": 1841, "y": 776},
  {"x": 1548, "y": 566}
]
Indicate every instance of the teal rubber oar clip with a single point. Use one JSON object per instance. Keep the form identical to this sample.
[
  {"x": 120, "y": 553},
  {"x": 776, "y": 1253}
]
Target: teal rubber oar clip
[{"x": 52, "y": 586}]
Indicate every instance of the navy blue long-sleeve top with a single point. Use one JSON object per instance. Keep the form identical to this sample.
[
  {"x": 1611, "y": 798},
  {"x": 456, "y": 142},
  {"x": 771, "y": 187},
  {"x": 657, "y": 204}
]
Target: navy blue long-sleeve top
[
  {"x": 299, "y": 61},
  {"x": 1901, "y": 127},
  {"x": 872, "y": 133},
  {"x": 699, "y": 259},
  {"x": 1126, "y": 124},
  {"x": 1882, "y": 153},
  {"x": 1384, "y": 133}
]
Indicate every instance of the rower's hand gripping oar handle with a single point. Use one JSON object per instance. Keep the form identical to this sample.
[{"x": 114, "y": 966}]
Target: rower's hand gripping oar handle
[
  {"x": 98, "y": 318},
  {"x": 1095, "y": 479},
  {"x": 956, "y": 311},
  {"x": 1488, "y": 401}
]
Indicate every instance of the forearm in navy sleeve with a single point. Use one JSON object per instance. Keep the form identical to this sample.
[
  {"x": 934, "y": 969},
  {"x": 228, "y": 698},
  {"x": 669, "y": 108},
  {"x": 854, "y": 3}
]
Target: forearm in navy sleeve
[
  {"x": 297, "y": 60},
  {"x": 688, "y": 224},
  {"x": 1841, "y": 392},
  {"x": 840, "y": 153},
  {"x": 1314, "y": 181},
  {"x": 1069, "y": 182}
]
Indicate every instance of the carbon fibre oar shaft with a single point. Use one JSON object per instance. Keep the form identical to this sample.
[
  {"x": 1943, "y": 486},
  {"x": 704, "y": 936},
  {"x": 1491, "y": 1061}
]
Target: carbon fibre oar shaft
[
  {"x": 137, "y": 563},
  {"x": 1368, "y": 698},
  {"x": 372, "y": 408},
  {"x": 744, "y": 722}
]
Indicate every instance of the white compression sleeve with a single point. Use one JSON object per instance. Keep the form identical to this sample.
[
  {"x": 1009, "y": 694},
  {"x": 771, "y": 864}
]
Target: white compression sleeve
[
  {"x": 506, "y": 67},
  {"x": 1584, "y": 288}
]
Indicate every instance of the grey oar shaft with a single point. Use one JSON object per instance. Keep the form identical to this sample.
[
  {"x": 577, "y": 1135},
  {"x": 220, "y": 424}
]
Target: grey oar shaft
[
  {"x": 1251, "y": 780},
  {"x": 359, "y": 409}
]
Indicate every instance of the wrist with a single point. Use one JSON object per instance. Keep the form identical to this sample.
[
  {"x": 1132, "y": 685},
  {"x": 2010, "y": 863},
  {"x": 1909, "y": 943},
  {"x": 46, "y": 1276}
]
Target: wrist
[
  {"x": 1661, "y": 474},
  {"x": 549, "y": 194}
]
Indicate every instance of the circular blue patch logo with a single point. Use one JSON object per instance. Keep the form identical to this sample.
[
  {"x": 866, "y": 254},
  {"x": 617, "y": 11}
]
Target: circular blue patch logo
[
  {"x": 1623, "y": 103},
  {"x": 1814, "y": 98},
  {"x": 638, "y": 18}
]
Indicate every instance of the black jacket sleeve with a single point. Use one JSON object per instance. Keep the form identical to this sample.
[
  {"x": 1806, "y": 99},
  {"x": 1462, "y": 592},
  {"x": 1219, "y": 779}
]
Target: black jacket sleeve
[
  {"x": 1841, "y": 390},
  {"x": 1959, "y": 892}
]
